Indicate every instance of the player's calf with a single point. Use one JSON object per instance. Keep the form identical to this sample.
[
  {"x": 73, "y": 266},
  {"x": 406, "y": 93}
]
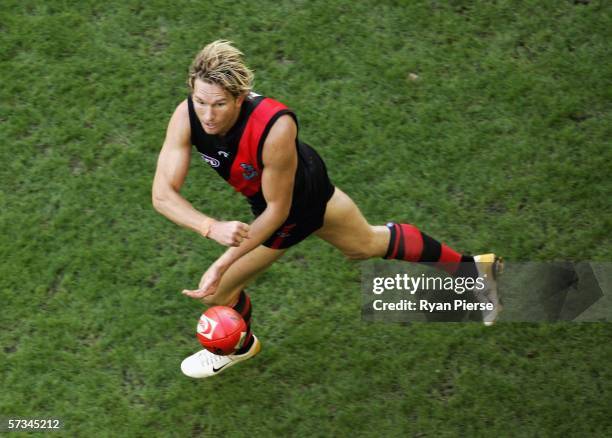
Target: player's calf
[
  {"x": 240, "y": 303},
  {"x": 408, "y": 243},
  {"x": 244, "y": 307}
]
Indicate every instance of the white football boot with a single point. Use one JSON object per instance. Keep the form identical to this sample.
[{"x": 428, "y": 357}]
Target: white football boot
[
  {"x": 489, "y": 267},
  {"x": 206, "y": 364}
]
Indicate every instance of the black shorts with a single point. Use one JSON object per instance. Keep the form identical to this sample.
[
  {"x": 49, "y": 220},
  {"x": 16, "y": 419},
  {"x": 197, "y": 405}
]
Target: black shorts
[
  {"x": 299, "y": 226},
  {"x": 313, "y": 189}
]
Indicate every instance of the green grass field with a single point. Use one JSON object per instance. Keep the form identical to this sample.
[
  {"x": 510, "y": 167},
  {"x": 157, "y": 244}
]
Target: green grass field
[{"x": 502, "y": 143}]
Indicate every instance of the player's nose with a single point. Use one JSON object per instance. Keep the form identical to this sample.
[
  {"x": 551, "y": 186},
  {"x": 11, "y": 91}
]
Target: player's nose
[{"x": 209, "y": 116}]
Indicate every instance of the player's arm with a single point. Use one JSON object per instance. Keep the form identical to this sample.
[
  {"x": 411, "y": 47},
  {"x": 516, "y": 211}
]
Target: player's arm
[
  {"x": 279, "y": 158},
  {"x": 172, "y": 168}
]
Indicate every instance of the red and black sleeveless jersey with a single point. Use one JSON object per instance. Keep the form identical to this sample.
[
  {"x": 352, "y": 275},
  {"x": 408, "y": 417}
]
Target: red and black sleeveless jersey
[{"x": 237, "y": 156}]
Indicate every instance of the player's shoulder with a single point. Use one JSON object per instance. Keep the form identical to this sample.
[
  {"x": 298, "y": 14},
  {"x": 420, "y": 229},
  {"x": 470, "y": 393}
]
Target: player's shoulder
[
  {"x": 179, "y": 125},
  {"x": 263, "y": 107},
  {"x": 282, "y": 131},
  {"x": 181, "y": 111},
  {"x": 269, "y": 110},
  {"x": 285, "y": 122},
  {"x": 180, "y": 116}
]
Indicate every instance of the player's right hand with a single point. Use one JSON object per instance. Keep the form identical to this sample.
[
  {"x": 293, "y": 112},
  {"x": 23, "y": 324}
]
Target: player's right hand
[{"x": 230, "y": 233}]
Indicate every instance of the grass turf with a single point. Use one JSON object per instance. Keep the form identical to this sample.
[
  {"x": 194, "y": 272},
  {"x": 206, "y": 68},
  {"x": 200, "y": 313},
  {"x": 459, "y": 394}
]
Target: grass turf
[{"x": 501, "y": 143}]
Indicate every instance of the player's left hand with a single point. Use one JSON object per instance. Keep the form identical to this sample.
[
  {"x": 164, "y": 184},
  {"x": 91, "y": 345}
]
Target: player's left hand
[{"x": 208, "y": 284}]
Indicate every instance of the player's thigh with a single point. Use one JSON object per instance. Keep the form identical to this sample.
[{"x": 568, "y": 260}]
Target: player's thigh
[
  {"x": 242, "y": 272},
  {"x": 346, "y": 228}
]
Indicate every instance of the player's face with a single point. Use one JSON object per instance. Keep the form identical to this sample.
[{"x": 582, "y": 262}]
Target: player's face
[{"x": 216, "y": 108}]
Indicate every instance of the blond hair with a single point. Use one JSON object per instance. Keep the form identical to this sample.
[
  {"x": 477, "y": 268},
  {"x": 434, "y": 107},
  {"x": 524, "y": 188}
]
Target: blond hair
[{"x": 221, "y": 63}]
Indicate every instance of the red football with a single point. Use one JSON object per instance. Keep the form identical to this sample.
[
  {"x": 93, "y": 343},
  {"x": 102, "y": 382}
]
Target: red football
[{"x": 221, "y": 330}]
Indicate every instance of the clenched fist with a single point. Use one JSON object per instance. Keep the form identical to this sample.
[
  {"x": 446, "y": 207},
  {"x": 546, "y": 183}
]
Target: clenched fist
[{"x": 230, "y": 233}]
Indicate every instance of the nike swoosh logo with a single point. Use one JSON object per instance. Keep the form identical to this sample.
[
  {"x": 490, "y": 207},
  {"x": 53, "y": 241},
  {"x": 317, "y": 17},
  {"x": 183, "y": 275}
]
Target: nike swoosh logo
[{"x": 216, "y": 370}]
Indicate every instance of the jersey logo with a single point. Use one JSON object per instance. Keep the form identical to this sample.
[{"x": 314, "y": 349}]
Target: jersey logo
[
  {"x": 210, "y": 160},
  {"x": 285, "y": 231},
  {"x": 223, "y": 153},
  {"x": 249, "y": 171}
]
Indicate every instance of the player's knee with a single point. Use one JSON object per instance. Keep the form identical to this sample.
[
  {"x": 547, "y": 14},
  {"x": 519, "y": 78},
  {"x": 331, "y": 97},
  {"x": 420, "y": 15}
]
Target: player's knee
[
  {"x": 210, "y": 300},
  {"x": 356, "y": 255},
  {"x": 365, "y": 248},
  {"x": 220, "y": 298},
  {"x": 360, "y": 254}
]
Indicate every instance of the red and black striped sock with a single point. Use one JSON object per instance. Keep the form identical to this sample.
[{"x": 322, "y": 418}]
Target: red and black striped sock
[
  {"x": 243, "y": 306},
  {"x": 408, "y": 243}
]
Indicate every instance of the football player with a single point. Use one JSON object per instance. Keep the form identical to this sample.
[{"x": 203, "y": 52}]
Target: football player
[{"x": 252, "y": 142}]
